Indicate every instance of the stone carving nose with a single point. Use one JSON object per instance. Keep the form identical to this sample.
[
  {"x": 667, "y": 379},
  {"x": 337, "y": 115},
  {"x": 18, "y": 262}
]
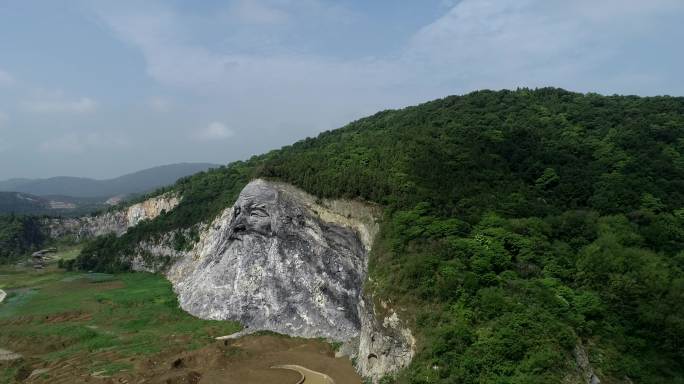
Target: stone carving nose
[{"x": 237, "y": 225}]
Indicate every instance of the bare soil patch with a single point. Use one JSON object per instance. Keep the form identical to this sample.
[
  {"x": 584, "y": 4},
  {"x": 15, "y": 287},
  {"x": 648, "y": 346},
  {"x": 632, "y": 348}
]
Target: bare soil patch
[{"x": 250, "y": 360}]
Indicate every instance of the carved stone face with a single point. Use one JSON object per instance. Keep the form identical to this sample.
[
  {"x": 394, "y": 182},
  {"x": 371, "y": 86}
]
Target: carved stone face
[
  {"x": 275, "y": 265},
  {"x": 255, "y": 211}
]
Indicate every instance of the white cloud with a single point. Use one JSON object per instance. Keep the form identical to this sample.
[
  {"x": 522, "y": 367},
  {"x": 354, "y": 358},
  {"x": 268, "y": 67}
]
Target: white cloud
[
  {"x": 214, "y": 131},
  {"x": 77, "y": 143},
  {"x": 579, "y": 45},
  {"x": 57, "y": 102},
  {"x": 306, "y": 91},
  {"x": 5, "y": 78},
  {"x": 510, "y": 43},
  {"x": 475, "y": 44},
  {"x": 173, "y": 60}
]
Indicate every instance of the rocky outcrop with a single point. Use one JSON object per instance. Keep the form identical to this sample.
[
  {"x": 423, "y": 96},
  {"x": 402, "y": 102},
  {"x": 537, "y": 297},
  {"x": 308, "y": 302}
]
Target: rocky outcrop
[
  {"x": 584, "y": 367},
  {"x": 116, "y": 222},
  {"x": 284, "y": 261},
  {"x": 385, "y": 343},
  {"x": 272, "y": 264}
]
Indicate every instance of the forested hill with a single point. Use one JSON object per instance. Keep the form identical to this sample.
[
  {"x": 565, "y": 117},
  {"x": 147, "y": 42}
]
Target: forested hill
[
  {"x": 19, "y": 235},
  {"x": 521, "y": 153},
  {"x": 518, "y": 225}
]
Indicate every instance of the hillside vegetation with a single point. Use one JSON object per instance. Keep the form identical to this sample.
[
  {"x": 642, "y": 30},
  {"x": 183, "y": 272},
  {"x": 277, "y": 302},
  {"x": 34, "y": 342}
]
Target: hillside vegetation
[
  {"x": 19, "y": 235},
  {"x": 518, "y": 224}
]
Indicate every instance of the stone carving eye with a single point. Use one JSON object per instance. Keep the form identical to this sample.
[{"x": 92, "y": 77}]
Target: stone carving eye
[{"x": 258, "y": 212}]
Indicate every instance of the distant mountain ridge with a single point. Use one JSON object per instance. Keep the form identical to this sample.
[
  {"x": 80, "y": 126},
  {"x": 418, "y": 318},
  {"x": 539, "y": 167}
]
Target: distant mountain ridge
[
  {"x": 133, "y": 183},
  {"x": 24, "y": 203}
]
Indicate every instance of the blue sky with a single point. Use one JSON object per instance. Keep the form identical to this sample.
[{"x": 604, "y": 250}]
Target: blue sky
[{"x": 101, "y": 88}]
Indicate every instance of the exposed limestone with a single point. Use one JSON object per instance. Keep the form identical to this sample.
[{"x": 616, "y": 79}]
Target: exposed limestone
[
  {"x": 116, "y": 222},
  {"x": 584, "y": 366},
  {"x": 356, "y": 215},
  {"x": 383, "y": 347},
  {"x": 271, "y": 264},
  {"x": 150, "y": 208}
]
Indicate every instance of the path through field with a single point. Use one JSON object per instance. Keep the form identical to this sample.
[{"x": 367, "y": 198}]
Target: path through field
[{"x": 310, "y": 377}]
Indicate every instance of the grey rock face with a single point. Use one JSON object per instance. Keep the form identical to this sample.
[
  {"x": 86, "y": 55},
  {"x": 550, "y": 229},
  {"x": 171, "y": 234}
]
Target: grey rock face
[
  {"x": 384, "y": 346},
  {"x": 584, "y": 366},
  {"x": 270, "y": 264},
  {"x": 116, "y": 222},
  {"x": 87, "y": 227}
]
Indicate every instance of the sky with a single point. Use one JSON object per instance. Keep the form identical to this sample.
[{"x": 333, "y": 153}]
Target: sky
[{"x": 102, "y": 88}]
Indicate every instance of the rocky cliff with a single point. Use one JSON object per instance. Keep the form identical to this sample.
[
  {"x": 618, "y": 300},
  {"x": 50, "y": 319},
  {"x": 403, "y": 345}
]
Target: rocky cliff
[
  {"x": 270, "y": 264},
  {"x": 284, "y": 261},
  {"x": 116, "y": 222},
  {"x": 385, "y": 344}
]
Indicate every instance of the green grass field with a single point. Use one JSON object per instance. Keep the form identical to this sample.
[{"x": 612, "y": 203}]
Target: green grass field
[
  {"x": 67, "y": 252},
  {"x": 98, "y": 323}
]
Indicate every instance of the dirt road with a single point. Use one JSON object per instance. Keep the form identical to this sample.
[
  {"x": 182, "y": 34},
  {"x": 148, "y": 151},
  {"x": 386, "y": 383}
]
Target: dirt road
[{"x": 310, "y": 377}]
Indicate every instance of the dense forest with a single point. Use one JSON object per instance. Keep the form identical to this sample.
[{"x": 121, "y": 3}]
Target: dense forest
[
  {"x": 518, "y": 225},
  {"x": 18, "y": 236}
]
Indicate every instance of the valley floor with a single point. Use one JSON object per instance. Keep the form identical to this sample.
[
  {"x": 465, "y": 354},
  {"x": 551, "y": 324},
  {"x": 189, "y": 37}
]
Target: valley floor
[{"x": 127, "y": 328}]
